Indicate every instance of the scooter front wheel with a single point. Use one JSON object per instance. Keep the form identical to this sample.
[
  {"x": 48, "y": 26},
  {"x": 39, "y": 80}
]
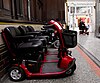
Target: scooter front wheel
[
  {"x": 71, "y": 70},
  {"x": 16, "y": 74},
  {"x": 56, "y": 44}
]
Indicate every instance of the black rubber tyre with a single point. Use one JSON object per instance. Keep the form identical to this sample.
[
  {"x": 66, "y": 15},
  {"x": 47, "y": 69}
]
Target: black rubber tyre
[
  {"x": 71, "y": 70},
  {"x": 16, "y": 74},
  {"x": 56, "y": 44},
  {"x": 87, "y": 33}
]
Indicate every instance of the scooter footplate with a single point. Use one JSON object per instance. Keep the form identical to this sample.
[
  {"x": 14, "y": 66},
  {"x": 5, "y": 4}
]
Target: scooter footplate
[
  {"x": 51, "y": 68},
  {"x": 52, "y": 57}
]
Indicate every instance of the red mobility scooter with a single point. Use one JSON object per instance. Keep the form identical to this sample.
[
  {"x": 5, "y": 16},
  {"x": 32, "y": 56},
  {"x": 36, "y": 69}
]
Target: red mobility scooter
[{"x": 29, "y": 61}]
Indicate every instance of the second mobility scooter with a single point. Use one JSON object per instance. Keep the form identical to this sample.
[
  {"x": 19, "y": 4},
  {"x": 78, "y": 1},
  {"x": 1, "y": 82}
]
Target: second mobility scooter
[
  {"x": 48, "y": 32},
  {"x": 29, "y": 61}
]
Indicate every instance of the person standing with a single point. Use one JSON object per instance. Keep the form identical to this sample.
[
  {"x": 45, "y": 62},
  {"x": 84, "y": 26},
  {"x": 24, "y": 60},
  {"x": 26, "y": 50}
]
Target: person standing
[{"x": 82, "y": 26}]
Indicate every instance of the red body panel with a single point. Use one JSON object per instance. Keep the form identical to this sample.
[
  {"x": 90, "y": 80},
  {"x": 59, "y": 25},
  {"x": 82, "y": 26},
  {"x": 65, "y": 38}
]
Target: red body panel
[
  {"x": 28, "y": 74},
  {"x": 65, "y": 59}
]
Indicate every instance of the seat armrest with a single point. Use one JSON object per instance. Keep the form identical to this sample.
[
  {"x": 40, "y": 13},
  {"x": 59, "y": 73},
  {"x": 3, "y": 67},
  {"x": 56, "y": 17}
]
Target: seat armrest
[
  {"x": 25, "y": 37},
  {"x": 34, "y": 33}
]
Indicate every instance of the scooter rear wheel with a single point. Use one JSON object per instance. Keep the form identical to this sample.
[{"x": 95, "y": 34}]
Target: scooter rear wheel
[{"x": 16, "y": 74}]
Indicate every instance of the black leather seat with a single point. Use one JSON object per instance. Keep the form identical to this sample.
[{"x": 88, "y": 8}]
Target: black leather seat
[
  {"x": 21, "y": 48},
  {"x": 41, "y": 34},
  {"x": 25, "y": 31}
]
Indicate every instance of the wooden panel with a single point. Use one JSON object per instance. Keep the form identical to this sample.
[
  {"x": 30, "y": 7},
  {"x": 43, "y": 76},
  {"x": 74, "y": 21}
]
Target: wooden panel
[{"x": 4, "y": 60}]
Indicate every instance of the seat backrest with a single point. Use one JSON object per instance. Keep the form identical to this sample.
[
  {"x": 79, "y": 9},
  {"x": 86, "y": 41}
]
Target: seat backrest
[
  {"x": 30, "y": 28},
  {"x": 10, "y": 34},
  {"x": 23, "y": 30}
]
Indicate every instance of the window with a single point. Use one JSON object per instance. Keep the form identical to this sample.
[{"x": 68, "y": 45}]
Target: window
[
  {"x": 82, "y": 10},
  {"x": 19, "y": 7},
  {"x": 72, "y": 9},
  {"x": 6, "y": 4},
  {"x": 1, "y": 3}
]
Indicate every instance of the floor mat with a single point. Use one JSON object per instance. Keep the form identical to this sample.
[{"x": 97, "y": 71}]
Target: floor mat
[
  {"x": 50, "y": 67},
  {"x": 52, "y": 51},
  {"x": 51, "y": 57}
]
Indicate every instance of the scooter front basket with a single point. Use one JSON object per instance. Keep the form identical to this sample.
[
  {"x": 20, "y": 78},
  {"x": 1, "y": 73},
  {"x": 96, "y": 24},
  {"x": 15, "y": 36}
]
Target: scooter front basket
[{"x": 70, "y": 38}]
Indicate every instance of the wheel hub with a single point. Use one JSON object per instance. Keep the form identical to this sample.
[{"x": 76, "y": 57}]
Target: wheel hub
[{"x": 15, "y": 74}]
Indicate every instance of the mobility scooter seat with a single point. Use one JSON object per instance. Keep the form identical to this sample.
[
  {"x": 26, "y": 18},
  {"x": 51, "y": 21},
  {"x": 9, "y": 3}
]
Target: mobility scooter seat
[
  {"x": 24, "y": 31},
  {"x": 35, "y": 45},
  {"x": 30, "y": 29},
  {"x": 16, "y": 43}
]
